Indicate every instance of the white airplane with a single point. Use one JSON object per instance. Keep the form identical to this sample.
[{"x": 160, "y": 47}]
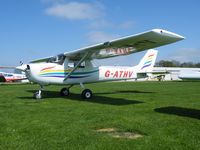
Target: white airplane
[
  {"x": 11, "y": 77},
  {"x": 180, "y": 72},
  {"x": 75, "y": 67},
  {"x": 189, "y": 75}
]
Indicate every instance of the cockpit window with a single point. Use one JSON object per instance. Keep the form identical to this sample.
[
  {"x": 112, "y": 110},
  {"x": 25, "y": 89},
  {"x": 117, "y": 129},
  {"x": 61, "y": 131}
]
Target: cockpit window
[
  {"x": 57, "y": 59},
  {"x": 8, "y": 75}
]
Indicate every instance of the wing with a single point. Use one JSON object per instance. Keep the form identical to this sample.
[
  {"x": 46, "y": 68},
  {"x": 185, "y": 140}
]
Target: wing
[{"x": 124, "y": 46}]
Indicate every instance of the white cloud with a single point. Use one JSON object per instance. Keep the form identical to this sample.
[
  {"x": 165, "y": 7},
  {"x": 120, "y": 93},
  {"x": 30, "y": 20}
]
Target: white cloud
[
  {"x": 93, "y": 12},
  {"x": 52, "y": 1},
  {"x": 186, "y": 55},
  {"x": 126, "y": 24},
  {"x": 76, "y": 10},
  {"x": 99, "y": 36},
  {"x": 102, "y": 23}
]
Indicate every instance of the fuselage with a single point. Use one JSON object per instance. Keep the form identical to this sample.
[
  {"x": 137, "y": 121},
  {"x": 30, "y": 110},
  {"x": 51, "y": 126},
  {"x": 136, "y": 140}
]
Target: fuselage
[{"x": 51, "y": 73}]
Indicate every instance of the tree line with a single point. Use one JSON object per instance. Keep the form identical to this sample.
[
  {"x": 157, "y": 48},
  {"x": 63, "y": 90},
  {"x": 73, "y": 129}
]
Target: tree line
[{"x": 174, "y": 63}]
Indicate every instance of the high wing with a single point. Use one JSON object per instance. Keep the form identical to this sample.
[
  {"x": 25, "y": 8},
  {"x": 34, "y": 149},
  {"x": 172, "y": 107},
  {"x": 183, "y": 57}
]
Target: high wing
[{"x": 123, "y": 46}]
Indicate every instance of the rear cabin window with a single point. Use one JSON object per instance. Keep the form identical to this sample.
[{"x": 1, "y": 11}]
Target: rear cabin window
[{"x": 73, "y": 64}]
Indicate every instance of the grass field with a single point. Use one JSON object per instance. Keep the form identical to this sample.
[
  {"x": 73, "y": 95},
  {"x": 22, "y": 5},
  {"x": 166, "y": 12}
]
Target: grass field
[{"x": 165, "y": 114}]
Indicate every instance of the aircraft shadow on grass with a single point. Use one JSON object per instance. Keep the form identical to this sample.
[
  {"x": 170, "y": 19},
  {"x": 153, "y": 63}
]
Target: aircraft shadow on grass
[
  {"x": 124, "y": 91},
  {"x": 97, "y": 98},
  {"x": 180, "y": 111}
]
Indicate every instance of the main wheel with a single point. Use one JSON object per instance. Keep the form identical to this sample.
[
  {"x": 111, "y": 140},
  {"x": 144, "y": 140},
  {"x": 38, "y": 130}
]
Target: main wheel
[
  {"x": 86, "y": 94},
  {"x": 38, "y": 95},
  {"x": 64, "y": 92}
]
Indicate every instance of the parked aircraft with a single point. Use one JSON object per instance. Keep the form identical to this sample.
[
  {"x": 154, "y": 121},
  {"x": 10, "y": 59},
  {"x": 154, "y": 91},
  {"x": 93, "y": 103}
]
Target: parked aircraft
[
  {"x": 75, "y": 67},
  {"x": 11, "y": 77},
  {"x": 189, "y": 75},
  {"x": 175, "y": 73}
]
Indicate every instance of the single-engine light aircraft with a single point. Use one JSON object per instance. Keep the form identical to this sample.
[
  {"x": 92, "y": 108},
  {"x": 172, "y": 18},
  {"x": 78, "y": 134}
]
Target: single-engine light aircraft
[{"x": 75, "y": 67}]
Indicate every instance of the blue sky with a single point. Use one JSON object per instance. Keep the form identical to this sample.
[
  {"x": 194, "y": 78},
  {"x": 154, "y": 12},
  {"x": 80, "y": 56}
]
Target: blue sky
[{"x": 31, "y": 29}]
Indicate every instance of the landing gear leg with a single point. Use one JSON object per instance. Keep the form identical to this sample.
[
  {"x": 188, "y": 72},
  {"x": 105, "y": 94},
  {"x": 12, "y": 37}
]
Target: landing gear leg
[
  {"x": 86, "y": 93},
  {"x": 38, "y": 94},
  {"x": 65, "y": 91}
]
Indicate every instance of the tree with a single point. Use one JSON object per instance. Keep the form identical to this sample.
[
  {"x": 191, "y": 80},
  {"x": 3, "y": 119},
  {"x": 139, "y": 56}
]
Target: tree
[{"x": 174, "y": 63}]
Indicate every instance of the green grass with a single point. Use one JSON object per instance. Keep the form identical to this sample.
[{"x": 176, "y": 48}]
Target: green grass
[{"x": 167, "y": 114}]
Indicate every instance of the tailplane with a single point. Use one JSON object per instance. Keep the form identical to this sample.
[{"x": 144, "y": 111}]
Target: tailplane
[{"x": 147, "y": 62}]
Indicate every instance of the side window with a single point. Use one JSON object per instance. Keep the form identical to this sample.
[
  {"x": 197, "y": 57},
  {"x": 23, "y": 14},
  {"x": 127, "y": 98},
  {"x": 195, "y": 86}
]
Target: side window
[
  {"x": 73, "y": 64},
  {"x": 82, "y": 65},
  {"x": 10, "y": 75}
]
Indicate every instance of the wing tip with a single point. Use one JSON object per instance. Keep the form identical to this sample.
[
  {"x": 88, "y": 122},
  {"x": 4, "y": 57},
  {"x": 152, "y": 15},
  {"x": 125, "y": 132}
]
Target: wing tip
[{"x": 168, "y": 33}]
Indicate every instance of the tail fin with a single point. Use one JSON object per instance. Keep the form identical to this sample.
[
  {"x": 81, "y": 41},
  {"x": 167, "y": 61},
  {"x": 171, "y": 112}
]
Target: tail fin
[{"x": 147, "y": 62}]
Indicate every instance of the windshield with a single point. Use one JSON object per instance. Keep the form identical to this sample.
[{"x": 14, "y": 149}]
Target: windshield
[{"x": 57, "y": 59}]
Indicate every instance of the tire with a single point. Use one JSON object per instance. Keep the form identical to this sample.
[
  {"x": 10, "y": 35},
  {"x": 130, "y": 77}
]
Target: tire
[
  {"x": 86, "y": 94},
  {"x": 64, "y": 92},
  {"x": 38, "y": 95}
]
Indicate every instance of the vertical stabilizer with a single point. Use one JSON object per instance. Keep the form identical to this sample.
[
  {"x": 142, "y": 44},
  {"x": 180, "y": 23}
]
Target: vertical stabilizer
[{"x": 147, "y": 62}]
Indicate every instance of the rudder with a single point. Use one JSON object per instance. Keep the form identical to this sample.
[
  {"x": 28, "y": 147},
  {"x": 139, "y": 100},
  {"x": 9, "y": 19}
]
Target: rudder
[{"x": 147, "y": 62}]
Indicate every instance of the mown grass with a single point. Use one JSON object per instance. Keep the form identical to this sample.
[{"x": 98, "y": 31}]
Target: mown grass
[{"x": 167, "y": 114}]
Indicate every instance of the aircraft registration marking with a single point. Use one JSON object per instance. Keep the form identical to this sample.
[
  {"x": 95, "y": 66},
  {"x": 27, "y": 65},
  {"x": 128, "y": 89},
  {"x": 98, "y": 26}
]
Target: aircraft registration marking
[{"x": 118, "y": 74}]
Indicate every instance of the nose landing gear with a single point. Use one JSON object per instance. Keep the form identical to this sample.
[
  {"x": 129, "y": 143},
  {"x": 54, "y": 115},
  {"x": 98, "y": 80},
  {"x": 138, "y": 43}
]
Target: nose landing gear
[{"x": 38, "y": 94}]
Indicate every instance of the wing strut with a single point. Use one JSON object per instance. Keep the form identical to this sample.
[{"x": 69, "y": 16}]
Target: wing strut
[{"x": 82, "y": 59}]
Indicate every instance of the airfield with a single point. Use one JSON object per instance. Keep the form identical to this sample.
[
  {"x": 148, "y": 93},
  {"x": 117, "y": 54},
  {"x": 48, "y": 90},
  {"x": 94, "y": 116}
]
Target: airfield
[{"x": 121, "y": 115}]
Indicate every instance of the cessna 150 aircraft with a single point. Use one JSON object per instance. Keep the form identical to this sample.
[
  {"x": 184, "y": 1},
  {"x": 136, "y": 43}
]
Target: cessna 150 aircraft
[{"x": 75, "y": 67}]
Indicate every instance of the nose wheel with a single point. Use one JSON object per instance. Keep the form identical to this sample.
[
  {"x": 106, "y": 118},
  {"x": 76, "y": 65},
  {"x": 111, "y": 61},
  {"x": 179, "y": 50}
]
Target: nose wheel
[{"x": 38, "y": 94}]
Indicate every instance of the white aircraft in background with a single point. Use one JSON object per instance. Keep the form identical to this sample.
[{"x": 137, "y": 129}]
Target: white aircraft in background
[
  {"x": 180, "y": 72},
  {"x": 189, "y": 75},
  {"x": 11, "y": 77},
  {"x": 75, "y": 67}
]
